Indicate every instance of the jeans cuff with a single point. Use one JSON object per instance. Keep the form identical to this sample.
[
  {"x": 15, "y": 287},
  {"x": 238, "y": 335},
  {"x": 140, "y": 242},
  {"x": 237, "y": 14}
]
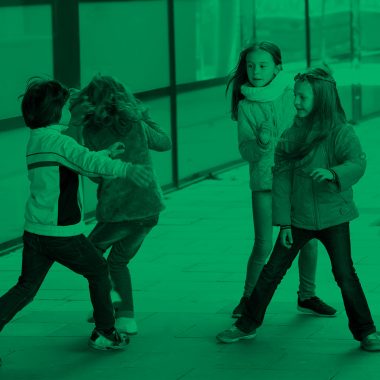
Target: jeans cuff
[{"x": 245, "y": 324}]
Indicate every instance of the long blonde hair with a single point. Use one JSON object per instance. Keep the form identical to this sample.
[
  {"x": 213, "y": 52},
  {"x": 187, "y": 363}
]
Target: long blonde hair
[{"x": 106, "y": 103}]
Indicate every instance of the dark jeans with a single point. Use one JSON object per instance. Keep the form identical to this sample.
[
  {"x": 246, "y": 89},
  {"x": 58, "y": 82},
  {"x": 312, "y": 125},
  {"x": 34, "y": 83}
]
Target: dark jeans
[
  {"x": 125, "y": 238},
  {"x": 75, "y": 253},
  {"x": 336, "y": 239}
]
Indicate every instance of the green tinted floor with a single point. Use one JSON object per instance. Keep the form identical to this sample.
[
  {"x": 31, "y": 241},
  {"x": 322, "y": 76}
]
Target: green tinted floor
[{"x": 188, "y": 277}]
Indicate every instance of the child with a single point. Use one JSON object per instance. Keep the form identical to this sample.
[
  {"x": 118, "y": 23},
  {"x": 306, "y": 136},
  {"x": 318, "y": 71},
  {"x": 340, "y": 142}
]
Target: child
[
  {"x": 53, "y": 216},
  {"x": 124, "y": 212},
  {"x": 317, "y": 161},
  {"x": 261, "y": 103}
]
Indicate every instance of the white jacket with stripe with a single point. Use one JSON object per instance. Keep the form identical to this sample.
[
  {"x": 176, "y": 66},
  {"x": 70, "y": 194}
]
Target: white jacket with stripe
[{"x": 55, "y": 163}]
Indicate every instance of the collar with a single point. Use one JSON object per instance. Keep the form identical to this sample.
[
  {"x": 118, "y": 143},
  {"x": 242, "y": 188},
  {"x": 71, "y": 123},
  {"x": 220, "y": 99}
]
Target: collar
[{"x": 281, "y": 82}]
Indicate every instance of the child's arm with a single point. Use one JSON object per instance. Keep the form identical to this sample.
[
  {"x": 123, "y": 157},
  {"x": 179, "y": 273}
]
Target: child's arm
[
  {"x": 250, "y": 147},
  {"x": 350, "y": 156},
  {"x": 281, "y": 188},
  {"x": 96, "y": 164},
  {"x": 157, "y": 139}
]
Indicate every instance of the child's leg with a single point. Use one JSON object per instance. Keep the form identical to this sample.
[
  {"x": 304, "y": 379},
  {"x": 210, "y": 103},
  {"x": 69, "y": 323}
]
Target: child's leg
[
  {"x": 34, "y": 269},
  {"x": 79, "y": 255},
  {"x": 307, "y": 266},
  {"x": 273, "y": 272},
  {"x": 126, "y": 239},
  {"x": 337, "y": 242},
  {"x": 262, "y": 222},
  {"x": 121, "y": 254}
]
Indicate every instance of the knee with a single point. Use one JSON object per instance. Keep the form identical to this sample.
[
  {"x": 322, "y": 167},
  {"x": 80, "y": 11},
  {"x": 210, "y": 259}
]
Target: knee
[
  {"x": 263, "y": 245},
  {"x": 115, "y": 263},
  {"x": 345, "y": 278}
]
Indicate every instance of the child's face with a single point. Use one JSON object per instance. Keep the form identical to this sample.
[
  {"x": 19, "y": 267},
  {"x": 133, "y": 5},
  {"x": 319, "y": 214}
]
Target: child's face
[
  {"x": 303, "y": 98},
  {"x": 66, "y": 114},
  {"x": 261, "y": 68}
]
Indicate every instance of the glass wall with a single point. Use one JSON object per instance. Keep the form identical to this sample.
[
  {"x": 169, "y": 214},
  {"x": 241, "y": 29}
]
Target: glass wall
[
  {"x": 330, "y": 43},
  {"x": 128, "y": 40},
  {"x": 144, "y": 42},
  {"x": 283, "y": 22},
  {"x": 207, "y": 36},
  {"x": 207, "y": 44},
  {"x": 369, "y": 50},
  {"x": 207, "y": 137},
  {"x": 26, "y": 50}
]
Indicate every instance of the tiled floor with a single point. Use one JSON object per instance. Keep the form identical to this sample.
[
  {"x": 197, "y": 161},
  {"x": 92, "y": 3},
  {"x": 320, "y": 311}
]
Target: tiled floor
[{"x": 187, "y": 277}]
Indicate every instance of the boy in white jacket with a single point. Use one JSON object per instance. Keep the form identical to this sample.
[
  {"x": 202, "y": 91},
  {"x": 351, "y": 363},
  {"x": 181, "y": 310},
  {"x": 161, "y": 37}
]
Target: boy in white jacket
[{"x": 54, "y": 216}]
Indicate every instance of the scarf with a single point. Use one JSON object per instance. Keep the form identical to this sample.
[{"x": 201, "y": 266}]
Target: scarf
[{"x": 281, "y": 82}]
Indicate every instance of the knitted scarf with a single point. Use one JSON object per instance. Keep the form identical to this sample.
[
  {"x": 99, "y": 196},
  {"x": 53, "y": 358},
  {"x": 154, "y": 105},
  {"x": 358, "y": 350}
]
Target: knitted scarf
[{"x": 272, "y": 91}]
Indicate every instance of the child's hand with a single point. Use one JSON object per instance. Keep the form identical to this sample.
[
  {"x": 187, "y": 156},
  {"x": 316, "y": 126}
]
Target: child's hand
[
  {"x": 115, "y": 149},
  {"x": 286, "y": 237},
  {"x": 265, "y": 132},
  {"x": 140, "y": 175},
  {"x": 321, "y": 174}
]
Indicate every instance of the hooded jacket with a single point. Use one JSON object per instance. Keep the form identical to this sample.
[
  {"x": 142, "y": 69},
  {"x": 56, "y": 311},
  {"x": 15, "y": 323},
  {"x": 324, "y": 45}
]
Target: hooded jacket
[
  {"x": 300, "y": 201},
  {"x": 120, "y": 199}
]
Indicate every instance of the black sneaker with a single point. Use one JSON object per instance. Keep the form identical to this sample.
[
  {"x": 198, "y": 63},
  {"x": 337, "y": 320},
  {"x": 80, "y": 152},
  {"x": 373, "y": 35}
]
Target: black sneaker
[
  {"x": 101, "y": 340},
  {"x": 316, "y": 306},
  {"x": 238, "y": 311}
]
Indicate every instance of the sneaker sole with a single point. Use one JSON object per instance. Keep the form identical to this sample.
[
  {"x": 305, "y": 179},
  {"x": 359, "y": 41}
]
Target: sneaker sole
[
  {"x": 236, "y": 316},
  {"x": 245, "y": 337},
  {"x": 312, "y": 312},
  {"x": 369, "y": 350},
  {"x": 128, "y": 332},
  {"x": 108, "y": 348}
]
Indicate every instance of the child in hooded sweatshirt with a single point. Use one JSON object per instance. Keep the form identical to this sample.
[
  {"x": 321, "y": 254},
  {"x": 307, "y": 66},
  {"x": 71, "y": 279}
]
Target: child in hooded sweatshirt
[{"x": 125, "y": 212}]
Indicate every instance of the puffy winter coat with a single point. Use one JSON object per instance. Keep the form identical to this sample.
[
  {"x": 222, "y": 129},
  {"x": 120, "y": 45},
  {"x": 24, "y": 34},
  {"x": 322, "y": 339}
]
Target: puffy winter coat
[
  {"x": 273, "y": 103},
  {"x": 299, "y": 200}
]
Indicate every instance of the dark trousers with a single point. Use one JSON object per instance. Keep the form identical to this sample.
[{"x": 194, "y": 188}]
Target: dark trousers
[
  {"x": 336, "y": 239},
  {"x": 75, "y": 253}
]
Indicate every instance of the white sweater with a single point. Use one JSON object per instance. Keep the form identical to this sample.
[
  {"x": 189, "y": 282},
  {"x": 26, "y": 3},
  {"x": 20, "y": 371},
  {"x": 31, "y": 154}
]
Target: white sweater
[{"x": 54, "y": 207}]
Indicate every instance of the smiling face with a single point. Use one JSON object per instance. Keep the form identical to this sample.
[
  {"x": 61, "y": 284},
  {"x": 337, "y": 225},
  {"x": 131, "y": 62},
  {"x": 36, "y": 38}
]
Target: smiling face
[
  {"x": 261, "y": 68},
  {"x": 303, "y": 98}
]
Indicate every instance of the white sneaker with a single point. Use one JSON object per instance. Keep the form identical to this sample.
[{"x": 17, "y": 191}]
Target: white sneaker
[
  {"x": 233, "y": 334},
  {"x": 126, "y": 325}
]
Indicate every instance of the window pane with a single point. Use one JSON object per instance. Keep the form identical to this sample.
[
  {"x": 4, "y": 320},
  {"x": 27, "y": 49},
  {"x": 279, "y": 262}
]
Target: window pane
[
  {"x": 207, "y": 38},
  {"x": 330, "y": 30},
  {"x": 370, "y": 56},
  {"x": 128, "y": 40},
  {"x": 207, "y": 137},
  {"x": 26, "y": 51},
  {"x": 14, "y": 184},
  {"x": 283, "y": 22}
]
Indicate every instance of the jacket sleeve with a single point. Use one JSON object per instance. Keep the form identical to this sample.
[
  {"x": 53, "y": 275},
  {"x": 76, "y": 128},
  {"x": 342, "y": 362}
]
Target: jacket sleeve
[
  {"x": 157, "y": 139},
  {"x": 350, "y": 157},
  {"x": 282, "y": 187},
  {"x": 86, "y": 162},
  {"x": 249, "y": 146}
]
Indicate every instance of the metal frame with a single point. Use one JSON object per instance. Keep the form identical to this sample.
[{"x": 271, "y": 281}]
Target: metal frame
[{"x": 66, "y": 68}]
